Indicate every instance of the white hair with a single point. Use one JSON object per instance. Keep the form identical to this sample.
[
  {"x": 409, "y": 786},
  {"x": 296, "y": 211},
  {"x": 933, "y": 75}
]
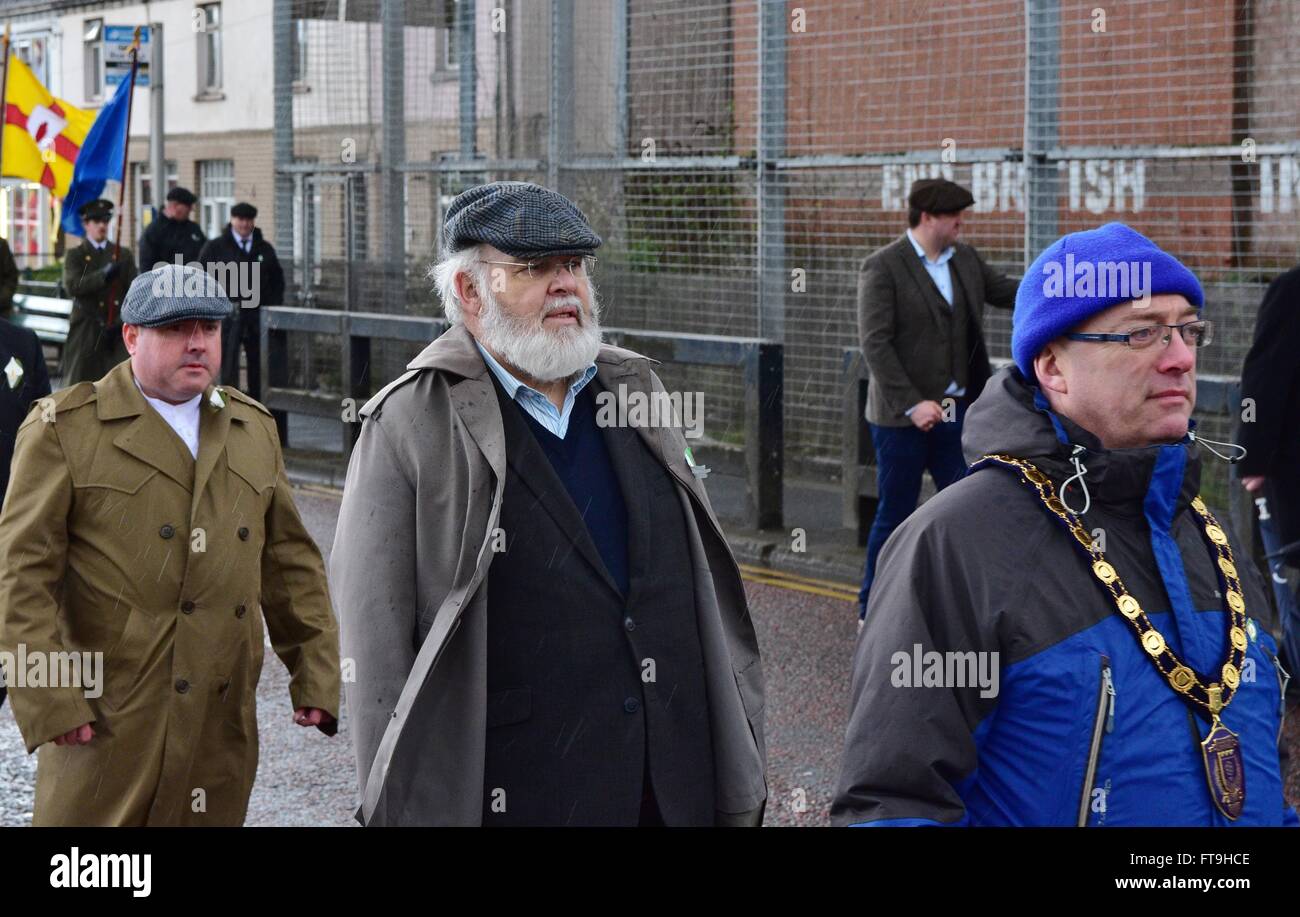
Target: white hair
[{"x": 443, "y": 274}]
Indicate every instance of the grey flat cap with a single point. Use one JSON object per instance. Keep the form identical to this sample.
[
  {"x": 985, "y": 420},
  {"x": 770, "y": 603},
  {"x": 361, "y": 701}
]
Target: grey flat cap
[
  {"x": 174, "y": 293},
  {"x": 522, "y": 219}
]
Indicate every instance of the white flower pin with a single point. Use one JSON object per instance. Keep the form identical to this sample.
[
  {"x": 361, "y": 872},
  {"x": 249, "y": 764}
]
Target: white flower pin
[
  {"x": 217, "y": 400},
  {"x": 14, "y": 372}
]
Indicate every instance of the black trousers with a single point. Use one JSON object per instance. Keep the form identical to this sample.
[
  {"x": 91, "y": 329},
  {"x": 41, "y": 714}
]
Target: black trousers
[{"x": 244, "y": 326}]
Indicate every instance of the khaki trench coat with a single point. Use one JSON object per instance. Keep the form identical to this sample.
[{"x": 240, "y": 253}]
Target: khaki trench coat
[
  {"x": 113, "y": 538},
  {"x": 408, "y": 571},
  {"x": 92, "y": 347}
]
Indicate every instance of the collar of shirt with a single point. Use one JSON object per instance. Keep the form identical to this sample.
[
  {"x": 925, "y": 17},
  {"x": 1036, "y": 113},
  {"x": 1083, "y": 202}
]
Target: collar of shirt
[
  {"x": 944, "y": 256},
  {"x": 538, "y": 406},
  {"x": 183, "y": 417},
  {"x": 98, "y": 246},
  {"x": 241, "y": 241}
]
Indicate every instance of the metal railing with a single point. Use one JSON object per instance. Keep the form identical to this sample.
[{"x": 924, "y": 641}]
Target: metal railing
[{"x": 761, "y": 363}]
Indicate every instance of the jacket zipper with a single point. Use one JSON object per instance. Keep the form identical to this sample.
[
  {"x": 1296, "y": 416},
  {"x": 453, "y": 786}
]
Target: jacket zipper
[
  {"x": 1104, "y": 721},
  {"x": 1283, "y": 678}
]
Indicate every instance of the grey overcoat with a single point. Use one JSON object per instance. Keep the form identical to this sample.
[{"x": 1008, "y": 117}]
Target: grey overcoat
[{"x": 408, "y": 573}]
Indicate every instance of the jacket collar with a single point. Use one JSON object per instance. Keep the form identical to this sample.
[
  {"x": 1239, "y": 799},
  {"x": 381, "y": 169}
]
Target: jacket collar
[
  {"x": 151, "y": 440},
  {"x": 1006, "y": 419}
]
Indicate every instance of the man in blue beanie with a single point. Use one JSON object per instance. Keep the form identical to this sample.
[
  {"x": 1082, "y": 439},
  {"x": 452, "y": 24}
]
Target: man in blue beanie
[{"x": 1064, "y": 636}]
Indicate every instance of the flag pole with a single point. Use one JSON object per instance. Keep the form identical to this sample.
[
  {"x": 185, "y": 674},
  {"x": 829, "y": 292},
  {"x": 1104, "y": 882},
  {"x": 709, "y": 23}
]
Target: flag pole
[
  {"x": 4, "y": 96},
  {"x": 121, "y": 183}
]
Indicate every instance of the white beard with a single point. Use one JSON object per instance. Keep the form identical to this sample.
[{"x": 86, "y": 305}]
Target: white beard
[{"x": 545, "y": 354}]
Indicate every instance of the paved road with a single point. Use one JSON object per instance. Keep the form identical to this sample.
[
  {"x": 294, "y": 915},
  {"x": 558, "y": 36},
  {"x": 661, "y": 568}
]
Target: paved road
[{"x": 806, "y": 636}]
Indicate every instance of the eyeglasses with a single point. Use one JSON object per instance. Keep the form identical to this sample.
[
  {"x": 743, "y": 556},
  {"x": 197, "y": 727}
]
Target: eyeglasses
[
  {"x": 1195, "y": 334},
  {"x": 549, "y": 267}
]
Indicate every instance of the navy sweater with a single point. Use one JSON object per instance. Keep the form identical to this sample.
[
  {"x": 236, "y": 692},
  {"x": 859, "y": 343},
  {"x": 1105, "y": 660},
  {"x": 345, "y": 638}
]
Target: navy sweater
[{"x": 582, "y": 462}]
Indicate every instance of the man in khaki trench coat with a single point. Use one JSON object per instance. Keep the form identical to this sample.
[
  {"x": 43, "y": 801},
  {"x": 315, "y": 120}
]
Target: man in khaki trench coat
[
  {"x": 149, "y": 519},
  {"x": 547, "y": 624}
]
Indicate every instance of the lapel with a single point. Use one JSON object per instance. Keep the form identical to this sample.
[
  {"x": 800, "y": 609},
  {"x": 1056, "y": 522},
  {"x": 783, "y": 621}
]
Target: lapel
[
  {"x": 531, "y": 466},
  {"x": 924, "y": 283},
  {"x": 214, "y": 426},
  {"x": 148, "y": 437},
  {"x": 629, "y": 468},
  {"x": 615, "y": 366},
  {"x": 965, "y": 270}
]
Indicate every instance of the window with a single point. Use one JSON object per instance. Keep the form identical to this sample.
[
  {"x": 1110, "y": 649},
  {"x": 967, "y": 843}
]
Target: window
[
  {"x": 25, "y": 209},
  {"x": 216, "y": 194},
  {"x": 142, "y": 182},
  {"x": 31, "y": 51},
  {"x": 93, "y": 59},
  {"x": 447, "y": 37},
  {"x": 209, "y": 56}
]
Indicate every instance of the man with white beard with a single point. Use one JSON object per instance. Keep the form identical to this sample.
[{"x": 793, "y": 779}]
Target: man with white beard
[{"x": 544, "y": 622}]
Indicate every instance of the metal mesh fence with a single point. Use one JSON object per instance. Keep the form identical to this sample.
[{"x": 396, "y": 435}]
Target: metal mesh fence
[{"x": 741, "y": 157}]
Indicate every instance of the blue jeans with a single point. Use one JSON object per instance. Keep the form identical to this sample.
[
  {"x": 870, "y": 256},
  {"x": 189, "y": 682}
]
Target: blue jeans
[{"x": 903, "y": 454}]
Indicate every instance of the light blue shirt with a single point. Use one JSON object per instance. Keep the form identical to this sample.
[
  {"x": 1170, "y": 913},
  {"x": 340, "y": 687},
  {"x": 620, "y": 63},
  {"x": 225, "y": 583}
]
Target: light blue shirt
[
  {"x": 941, "y": 274},
  {"x": 938, "y": 270},
  {"x": 538, "y": 406}
]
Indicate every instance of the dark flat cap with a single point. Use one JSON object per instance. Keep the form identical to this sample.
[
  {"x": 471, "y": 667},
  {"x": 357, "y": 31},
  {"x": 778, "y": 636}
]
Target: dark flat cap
[
  {"x": 182, "y": 196},
  {"x": 938, "y": 195},
  {"x": 244, "y": 210},
  {"x": 522, "y": 219},
  {"x": 174, "y": 293},
  {"x": 96, "y": 210}
]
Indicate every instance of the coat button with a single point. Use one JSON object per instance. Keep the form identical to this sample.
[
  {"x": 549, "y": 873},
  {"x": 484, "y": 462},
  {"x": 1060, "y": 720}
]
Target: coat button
[
  {"x": 240, "y": 611},
  {"x": 243, "y": 533},
  {"x": 167, "y": 531},
  {"x": 182, "y": 686},
  {"x": 187, "y": 607},
  {"x": 631, "y": 705},
  {"x": 629, "y": 624}
]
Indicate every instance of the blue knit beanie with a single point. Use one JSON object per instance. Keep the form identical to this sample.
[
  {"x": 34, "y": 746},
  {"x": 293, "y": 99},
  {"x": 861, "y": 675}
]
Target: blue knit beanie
[{"x": 1084, "y": 273}]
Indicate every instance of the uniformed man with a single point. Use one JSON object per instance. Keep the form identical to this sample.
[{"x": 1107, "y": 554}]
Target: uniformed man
[
  {"x": 23, "y": 379},
  {"x": 96, "y": 275},
  {"x": 148, "y": 519},
  {"x": 8, "y": 280},
  {"x": 172, "y": 233},
  {"x": 242, "y": 254}
]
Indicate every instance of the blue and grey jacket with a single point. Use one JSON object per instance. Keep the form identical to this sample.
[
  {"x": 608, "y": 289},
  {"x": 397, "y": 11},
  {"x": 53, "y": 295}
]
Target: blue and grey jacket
[{"x": 994, "y": 682}]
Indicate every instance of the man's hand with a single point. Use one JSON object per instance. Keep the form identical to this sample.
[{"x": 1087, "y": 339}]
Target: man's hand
[
  {"x": 311, "y": 716},
  {"x": 925, "y": 415},
  {"x": 1252, "y": 482},
  {"x": 111, "y": 270},
  {"x": 79, "y": 736}
]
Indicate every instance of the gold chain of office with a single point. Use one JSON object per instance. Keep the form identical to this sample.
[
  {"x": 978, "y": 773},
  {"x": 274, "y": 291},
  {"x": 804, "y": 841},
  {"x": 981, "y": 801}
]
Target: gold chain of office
[{"x": 1212, "y": 697}]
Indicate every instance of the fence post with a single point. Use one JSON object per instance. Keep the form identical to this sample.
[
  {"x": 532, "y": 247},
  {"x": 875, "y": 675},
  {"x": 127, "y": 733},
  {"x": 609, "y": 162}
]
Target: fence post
[
  {"x": 1042, "y": 123},
  {"x": 466, "y": 15},
  {"x": 765, "y": 435},
  {"x": 772, "y": 281},
  {"x": 559, "y": 146},
  {"x": 394, "y": 146}
]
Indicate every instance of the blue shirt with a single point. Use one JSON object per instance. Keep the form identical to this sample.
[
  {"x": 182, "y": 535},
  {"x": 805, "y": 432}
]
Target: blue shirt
[
  {"x": 937, "y": 269},
  {"x": 538, "y": 406}
]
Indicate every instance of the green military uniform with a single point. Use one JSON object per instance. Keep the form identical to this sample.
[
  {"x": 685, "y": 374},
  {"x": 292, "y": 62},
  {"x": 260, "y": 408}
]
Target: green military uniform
[
  {"x": 92, "y": 348},
  {"x": 115, "y": 538}
]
